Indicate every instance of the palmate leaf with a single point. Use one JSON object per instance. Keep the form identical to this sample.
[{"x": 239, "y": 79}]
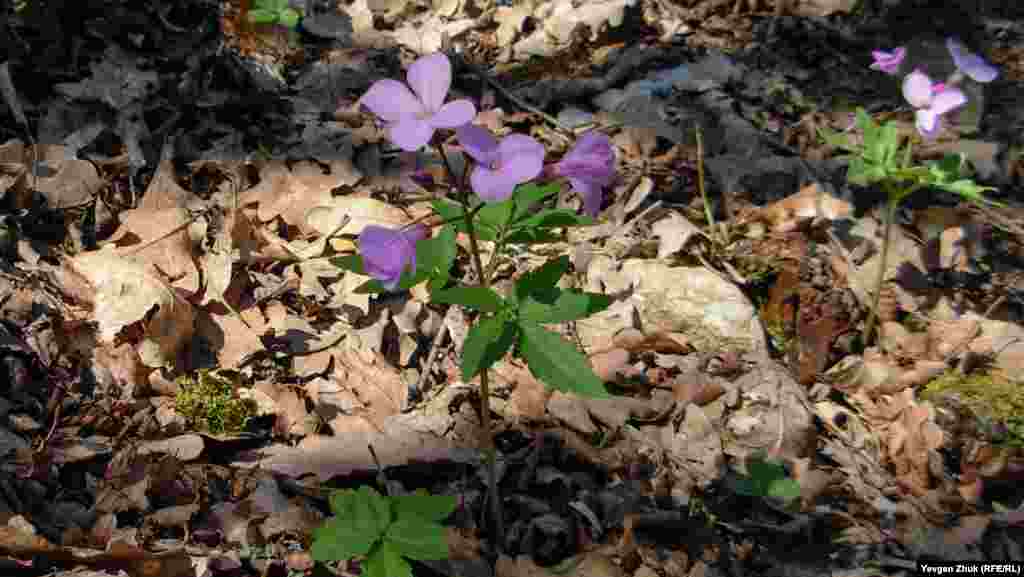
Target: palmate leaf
[
  {"x": 557, "y": 363},
  {"x": 360, "y": 519},
  {"x": 424, "y": 505},
  {"x": 339, "y": 540},
  {"x": 417, "y": 538},
  {"x": 386, "y": 561}
]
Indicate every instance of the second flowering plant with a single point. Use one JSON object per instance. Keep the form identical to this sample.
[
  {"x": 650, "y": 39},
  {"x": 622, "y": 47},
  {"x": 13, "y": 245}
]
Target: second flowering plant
[{"x": 504, "y": 197}]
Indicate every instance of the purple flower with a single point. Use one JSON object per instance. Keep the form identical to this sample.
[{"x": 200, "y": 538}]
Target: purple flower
[
  {"x": 930, "y": 100},
  {"x": 412, "y": 116},
  {"x": 888, "y": 62},
  {"x": 970, "y": 63},
  {"x": 589, "y": 166},
  {"x": 388, "y": 253},
  {"x": 500, "y": 165}
]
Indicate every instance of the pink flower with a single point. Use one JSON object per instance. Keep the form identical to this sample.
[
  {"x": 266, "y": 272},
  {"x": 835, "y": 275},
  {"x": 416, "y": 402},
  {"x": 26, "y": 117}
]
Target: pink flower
[
  {"x": 888, "y": 62},
  {"x": 388, "y": 253},
  {"x": 500, "y": 165},
  {"x": 590, "y": 167},
  {"x": 930, "y": 103},
  {"x": 970, "y": 63},
  {"x": 412, "y": 116}
]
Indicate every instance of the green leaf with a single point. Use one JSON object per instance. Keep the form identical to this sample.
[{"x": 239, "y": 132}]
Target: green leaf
[
  {"x": 386, "y": 561},
  {"x": 542, "y": 279},
  {"x": 435, "y": 255},
  {"x": 451, "y": 212},
  {"x": 555, "y": 218},
  {"x": 529, "y": 194},
  {"x": 417, "y": 538},
  {"x": 488, "y": 340},
  {"x": 351, "y": 262},
  {"x": 837, "y": 139},
  {"x": 557, "y": 363},
  {"x": 288, "y": 18},
  {"x": 493, "y": 217},
  {"x": 518, "y": 235},
  {"x": 271, "y": 5},
  {"x": 424, "y": 505},
  {"x": 786, "y": 489},
  {"x": 767, "y": 478},
  {"x": 477, "y": 298},
  {"x": 969, "y": 190},
  {"x": 360, "y": 518},
  {"x": 262, "y": 16},
  {"x": 366, "y": 507},
  {"x": 569, "y": 305},
  {"x": 339, "y": 540}
]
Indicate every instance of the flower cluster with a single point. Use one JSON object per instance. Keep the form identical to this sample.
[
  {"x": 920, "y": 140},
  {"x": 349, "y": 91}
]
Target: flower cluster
[
  {"x": 412, "y": 114},
  {"x": 933, "y": 99}
]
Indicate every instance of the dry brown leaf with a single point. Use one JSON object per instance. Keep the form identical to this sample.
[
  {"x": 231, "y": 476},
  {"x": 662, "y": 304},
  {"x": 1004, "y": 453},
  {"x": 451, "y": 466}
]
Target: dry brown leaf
[
  {"x": 325, "y": 217},
  {"x": 289, "y": 408},
  {"x": 377, "y": 384},
  {"x": 675, "y": 231},
  {"x": 230, "y": 337},
  {"x": 65, "y": 182},
  {"x": 819, "y": 8},
  {"x": 343, "y": 454},
  {"x": 291, "y": 193},
  {"x": 610, "y": 365},
  {"x": 127, "y": 292},
  {"x": 529, "y": 397},
  {"x": 807, "y": 204},
  {"x": 161, "y": 219}
]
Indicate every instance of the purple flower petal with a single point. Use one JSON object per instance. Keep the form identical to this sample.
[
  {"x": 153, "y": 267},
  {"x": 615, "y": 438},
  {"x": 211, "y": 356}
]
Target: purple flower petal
[
  {"x": 391, "y": 100},
  {"x": 410, "y": 133},
  {"x": 970, "y": 63},
  {"x": 591, "y": 194},
  {"x": 454, "y": 114},
  {"x": 917, "y": 89},
  {"x": 521, "y": 158},
  {"x": 888, "y": 62},
  {"x": 592, "y": 158},
  {"x": 948, "y": 99},
  {"x": 478, "y": 143},
  {"x": 491, "y": 185},
  {"x": 387, "y": 253},
  {"x": 927, "y": 122},
  {"x": 430, "y": 78}
]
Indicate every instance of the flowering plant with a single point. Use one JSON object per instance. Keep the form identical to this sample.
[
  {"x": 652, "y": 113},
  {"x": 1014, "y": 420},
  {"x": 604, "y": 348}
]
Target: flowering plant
[
  {"x": 933, "y": 99},
  {"x": 507, "y": 208},
  {"x": 879, "y": 160}
]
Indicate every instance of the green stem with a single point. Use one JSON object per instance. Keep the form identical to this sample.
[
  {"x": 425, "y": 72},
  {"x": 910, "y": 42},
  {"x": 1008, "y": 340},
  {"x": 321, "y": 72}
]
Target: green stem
[
  {"x": 889, "y": 214},
  {"x": 700, "y": 186},
  {"x": 485, "y": 389}
]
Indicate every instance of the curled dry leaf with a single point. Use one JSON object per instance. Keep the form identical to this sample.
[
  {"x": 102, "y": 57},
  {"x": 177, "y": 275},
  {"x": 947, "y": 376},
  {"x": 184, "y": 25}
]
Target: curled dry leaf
[
  {"x": 808, "y": 204},
  {"x": 325, "y": 217},
  {"x": 128, "y": 292},
  {"x": 675, "y": 231},
  {"x": 610, "y": 365},
  {"x": 700, "y": 393},
  {"x": 290, "y": 193}
]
